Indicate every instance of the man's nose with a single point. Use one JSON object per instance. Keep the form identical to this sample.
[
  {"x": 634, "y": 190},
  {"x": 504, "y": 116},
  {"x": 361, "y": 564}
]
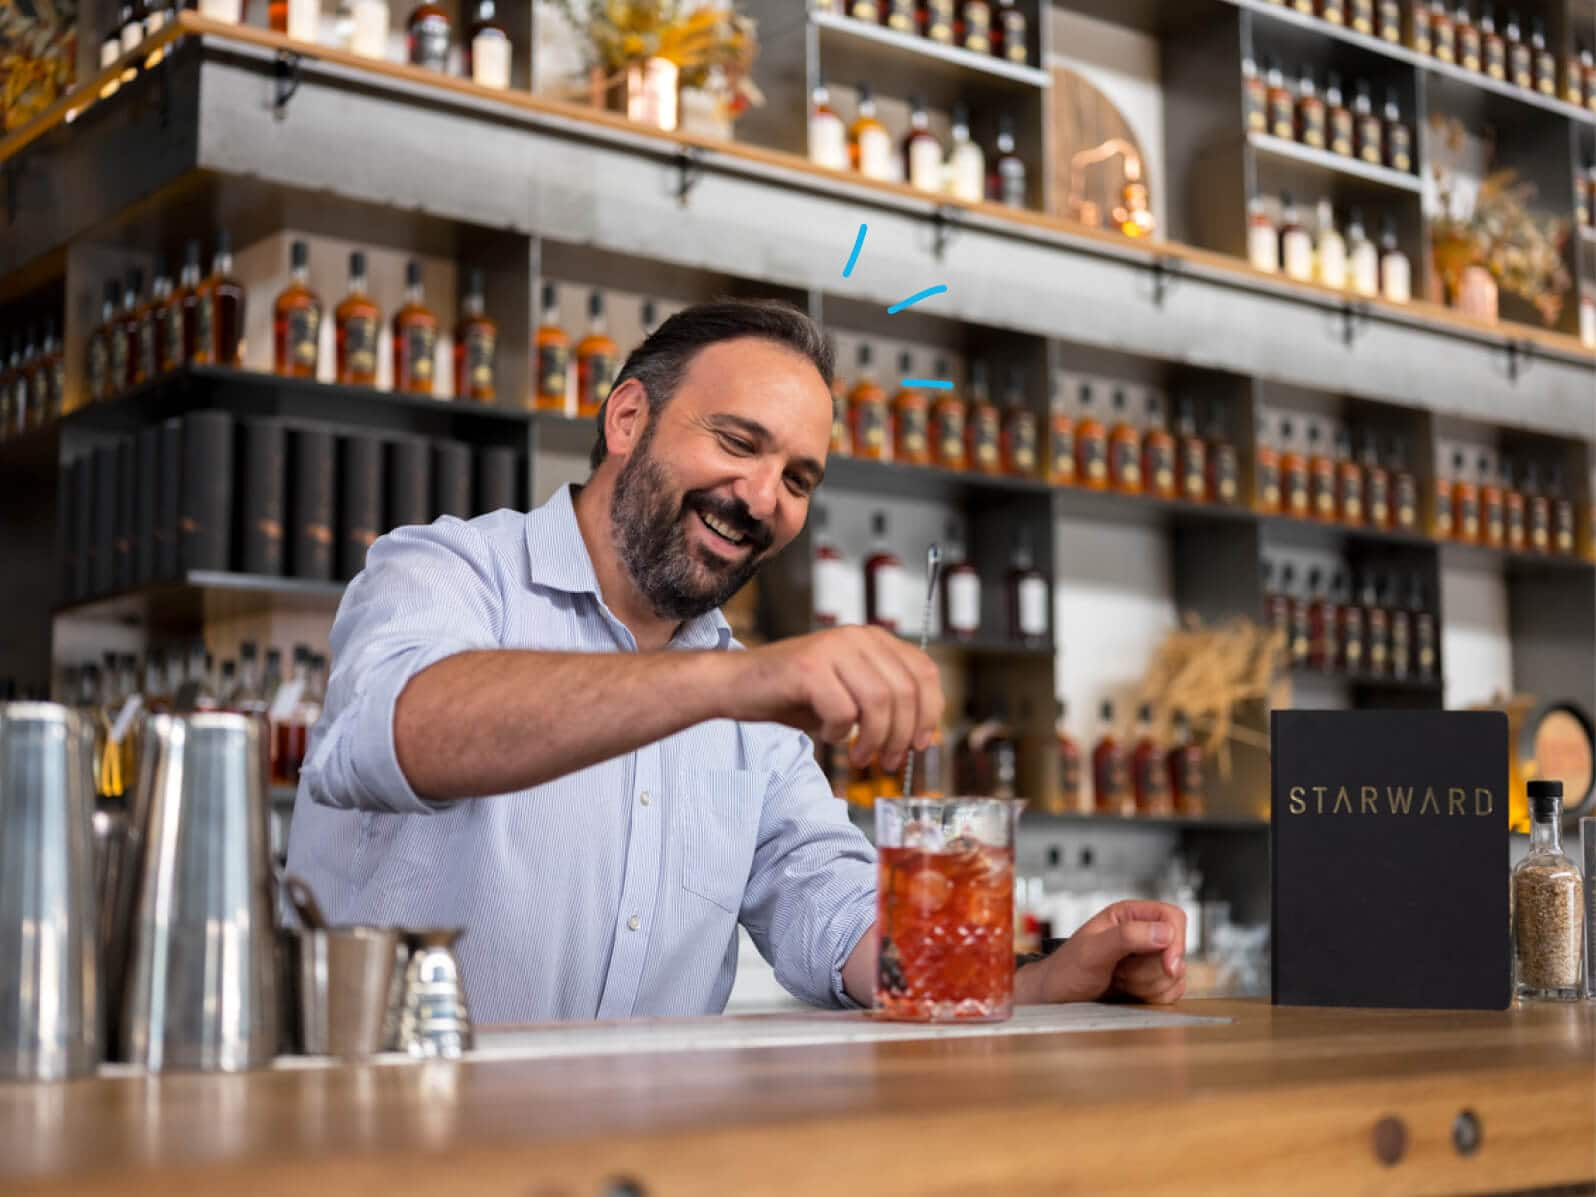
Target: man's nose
[{"x": 760, "y": 490}]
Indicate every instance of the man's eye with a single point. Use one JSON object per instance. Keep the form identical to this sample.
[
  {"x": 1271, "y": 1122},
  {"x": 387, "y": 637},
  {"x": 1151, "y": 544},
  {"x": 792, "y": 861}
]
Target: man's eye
[
  {"x": 736, "y": 445},
  {"x": 799, "y": 486}
]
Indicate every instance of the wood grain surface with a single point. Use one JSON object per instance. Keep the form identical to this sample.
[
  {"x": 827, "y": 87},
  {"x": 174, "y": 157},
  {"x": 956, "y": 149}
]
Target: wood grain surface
[{"x": 1279, "y": 1101}]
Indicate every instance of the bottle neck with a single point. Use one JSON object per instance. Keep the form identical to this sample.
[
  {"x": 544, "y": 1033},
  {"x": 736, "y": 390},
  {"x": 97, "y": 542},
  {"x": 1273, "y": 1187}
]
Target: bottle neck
[
  {"x": 1546, "y": 835},
  {"x": 472, "y": 306},
  {"x": 597, "y": 325},
  {"x": 357, "y": 284},
  {"x": 222, "y": 266},
  {"x": 301, "y": 276}
]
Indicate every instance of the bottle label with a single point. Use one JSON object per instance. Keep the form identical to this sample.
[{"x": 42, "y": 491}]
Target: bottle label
[
  {"x": 1352, "y": 639},
  {"x": 1350, "y": 497},
  {"x": 1282, "y": 115},
  {"x": 146, "y": 347},
  {"x": 939, "y": 21},
  {"x": 865, "y": 10},
  {"x": 429, "y": 42},
  {"x": 984, "y": 434},
  {"x": 1468, "y": 516},
  {"x": 900, "y": 15},
  {"x": 490, "y": 59},
  {"x": 1563, "y": 526},
  {"x": 1011, "y": 182},
  {"x": 480, "y": 344},
  {"x": 950, "y": 435},
  {"x": 1297, "y": 255},
  {"x": 120, "y": 351},
  {"x": 1495, "y": 55},
  {"x": 968, "y": 176},
  {"x": 1379, "y": 643},
  {"x": 304, "y": 328},
  {"x": 1300, "y": 631},
  {"x": 1407, "y": 503},
  {"x": 1399, "y": 146},
  {"x": 831, "y": 590},
  {"x": 964, "y": 602},
  {"x": 1298, "y": 501},
  {"x": 1363, "y": 16},
  {"x": 171, "y": 319},
  {"x": 872, "y": 428},
  {"x": 1268, "y": 485},
  {"x": 914, "y": 438},
  {"x": 1519, "y": 60},
  {"x": 887, "y": 584},
  {"x": 1313, "y": 125},
  {"x": 1371, "y": 140},
  {"x": 828, "y": 141},
  {"x": 1161, "y": 467},
  {"x": 1342, "y": 138},
  {"x": 1539, "y": 529},
  {"x": 1495, "y": 524},
  {"x": 597, "y": 371},
  {"x": 1379, "y": 496},
  {"x": 925, "y": 164},
  {"x": 1125, "y": 468},
  {"x": 1257, "y": 102},
  {"x": 1061, "y": 452},
  {"x": 1227, "y": 475},
  {"x": 978, "y": 26},
  {"x": 360, "y": 346},
  {"x": 553, "y": 365},
  {"x": 1033, "y": 608},
  {"x": 420, "y": 342},
  {"x": 1390, "y": 20},
  {"x": 1014, "y": 37},
  {"x": 1093, "y": 458},
  {"x": 205, "y": 329},
  {"x": 1022, "y": 444},
  {"x": 1468, "y": 49}
]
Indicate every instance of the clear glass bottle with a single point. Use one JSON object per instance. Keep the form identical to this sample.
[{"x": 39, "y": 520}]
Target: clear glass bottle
[
  {"x": 885, "y": 581},
  {"x": 869, "y": 143},
  {"x": 961, "y": 591},
  {"x": 1363, "y": 259},
  {"x": 1263, "y": 240},
  {"x": 1548, "y": 905},
  {"x": 1296, "y": 243},
  {"x": 966, "y": 164},
  {"x": 1006, "y": 182},
  {"x": 828, "y": 135},
  {"x": 922, "y": 152},
  {"x": 1330, "y": 252}
]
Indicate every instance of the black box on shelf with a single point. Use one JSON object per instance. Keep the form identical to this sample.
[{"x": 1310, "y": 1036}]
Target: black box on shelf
[
  {"x": 126, "y": 487},
  {"x": 311, "y": 483},
  {"x": 102, "y": 546},
  {"x": 205, "y": 517},
  {"x": 168, "y": 500},
  {"x": 263, "y": 506},
  {"x": 498, "y": 484},
  {"x": 451, "y": 479},
  {"x": 409, "y": 484},
  {"x": 146, "y": 492},
  {"x": 360, "y": 473}
]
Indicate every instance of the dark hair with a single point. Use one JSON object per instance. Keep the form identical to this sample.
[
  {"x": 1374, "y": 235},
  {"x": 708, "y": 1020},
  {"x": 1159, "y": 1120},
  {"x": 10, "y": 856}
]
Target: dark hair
[{"x": 661, "y": 361}]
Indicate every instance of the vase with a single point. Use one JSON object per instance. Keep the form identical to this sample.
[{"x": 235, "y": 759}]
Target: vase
[
  {"x": 644, "y": 91},
  {"x": 1477, "y": 294}
]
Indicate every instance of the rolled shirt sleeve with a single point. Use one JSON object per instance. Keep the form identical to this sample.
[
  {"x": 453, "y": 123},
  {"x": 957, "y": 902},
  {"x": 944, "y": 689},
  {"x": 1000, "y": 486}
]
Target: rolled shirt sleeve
[
  {"x": 811, "y": 894},
  {"x": 426, "y": 593}
]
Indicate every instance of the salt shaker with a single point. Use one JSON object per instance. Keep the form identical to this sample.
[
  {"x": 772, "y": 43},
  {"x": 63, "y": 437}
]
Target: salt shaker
[{"x": 1548, "y": 905}]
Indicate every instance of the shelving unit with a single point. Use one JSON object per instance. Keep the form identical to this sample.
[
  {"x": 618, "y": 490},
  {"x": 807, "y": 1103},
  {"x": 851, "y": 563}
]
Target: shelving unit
[
  {"x": 894, "y": 51},
  {"x": 1331, "y": 165}
]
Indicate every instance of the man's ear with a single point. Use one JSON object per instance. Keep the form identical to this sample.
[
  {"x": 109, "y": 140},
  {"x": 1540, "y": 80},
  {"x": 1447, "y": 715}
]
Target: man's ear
[{"x": 625, "y": 416}]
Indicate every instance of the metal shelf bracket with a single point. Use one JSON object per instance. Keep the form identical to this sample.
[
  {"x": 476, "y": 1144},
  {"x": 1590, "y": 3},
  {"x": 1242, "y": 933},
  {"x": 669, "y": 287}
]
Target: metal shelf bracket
[
  {"x": 689, "y": 164},
  {"x": 286, "y": 76},
  {"x": 1164, "y": 272},
  {"x": 1519, "y": 356},
  {"x": 944, "y": 228},
  {"x": 1352, "y": 319}
]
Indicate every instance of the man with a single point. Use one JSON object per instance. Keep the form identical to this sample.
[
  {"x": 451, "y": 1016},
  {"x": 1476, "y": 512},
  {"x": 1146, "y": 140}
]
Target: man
[{"x": 534, "y": 730}]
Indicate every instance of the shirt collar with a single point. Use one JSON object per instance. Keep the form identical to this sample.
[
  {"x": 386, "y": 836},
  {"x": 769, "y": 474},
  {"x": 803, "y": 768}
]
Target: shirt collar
[{"x": 558, "y": 559}]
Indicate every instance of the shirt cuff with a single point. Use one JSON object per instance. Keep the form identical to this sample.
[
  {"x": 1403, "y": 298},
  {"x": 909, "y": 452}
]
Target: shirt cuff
[
  {"x": 374, "y": 760},
  {"x": 860, "y": 919}
]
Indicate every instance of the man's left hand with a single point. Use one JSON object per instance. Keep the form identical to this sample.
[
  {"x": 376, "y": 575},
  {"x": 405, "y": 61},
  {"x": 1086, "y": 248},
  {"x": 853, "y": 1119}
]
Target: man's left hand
[{"x": 1135, "y": 950}]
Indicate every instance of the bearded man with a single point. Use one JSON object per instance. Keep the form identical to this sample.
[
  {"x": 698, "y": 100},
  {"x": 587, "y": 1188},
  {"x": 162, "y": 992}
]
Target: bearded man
[{"x": 539, "y": 727}]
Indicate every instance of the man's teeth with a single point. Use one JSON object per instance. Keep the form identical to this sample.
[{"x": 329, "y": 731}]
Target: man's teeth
[{"x": 721, "y": 529}]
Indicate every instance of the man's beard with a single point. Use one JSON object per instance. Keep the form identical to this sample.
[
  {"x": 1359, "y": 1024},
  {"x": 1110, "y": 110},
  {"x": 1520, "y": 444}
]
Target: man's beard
[{"x": 679, "y": 580}]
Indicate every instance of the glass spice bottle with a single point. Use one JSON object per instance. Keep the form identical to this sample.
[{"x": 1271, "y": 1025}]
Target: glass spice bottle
[
  {"x": 1548, "y": 905},
  {"x": 947, "y": 425}
]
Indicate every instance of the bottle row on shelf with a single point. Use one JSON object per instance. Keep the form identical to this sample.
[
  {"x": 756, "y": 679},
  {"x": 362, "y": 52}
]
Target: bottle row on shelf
[
  {"x": 1000, "y": 29},
  {"x": 1280, "y": 241},
  {"x": 263, "y": 497},
  {"x": 1384, "y": 629},
  {"x": 1450, "y": 33},
  {"x": 1585, "y": 197},
  {"x": 942, "y": 428},
  {"x": 1504, "y": 505},
  {"x": 1140, "y": 775},
  {"x": 32, "y": 380},
  {"x": 117, "y": 697},
  {"x": 1309, "y": 478},
  {"x": 960, "y": 169},
  {"x": 1298, "y": 111}
]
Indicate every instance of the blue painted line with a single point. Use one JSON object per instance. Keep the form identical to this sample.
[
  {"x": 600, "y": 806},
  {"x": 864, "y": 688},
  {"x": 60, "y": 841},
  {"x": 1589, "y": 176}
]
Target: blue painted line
[
  {"x": 916, "y": 298},
  {"x": 853, "y": 258},
  {"x": 927, "y": 384}
]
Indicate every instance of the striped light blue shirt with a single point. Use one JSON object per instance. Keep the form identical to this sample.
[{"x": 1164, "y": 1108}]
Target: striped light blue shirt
[{"x": 609, "y": 892}]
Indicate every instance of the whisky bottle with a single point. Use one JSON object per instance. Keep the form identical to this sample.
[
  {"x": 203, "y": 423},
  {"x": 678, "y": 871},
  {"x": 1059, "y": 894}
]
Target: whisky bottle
[
  {"x": 1443, "y": 34},
  {"x": 1426, "y": 646},
  {"x": 427, "y": 35},
  {"x": 160, "y": 313},
  {"x": 1012, "y": 33},
  {"x": 974, "y": 30},
  {"x": 1149, "y": 771},
  {"x": 1263, "y": 241},
  {"x": 182, "y": 314},
  {"x": 1388, "y": 18},
  {"x": 900, "y": 15},
  {"x": 124, "y": 337},
  {"x": 1321, "y": 477},
  {"x": 828, "y": 136},
  {"x": 911, "y": 419},
  {"x": 1224, "y": 467},
  {"x": 1587, "y": 62},
  {"x": 869, "y": 422},
  {"x": 1376, "y": 485},
  {"x": 13, "y": 405},
  {"x": 1376, "y": 627},
  {"x": 1282, "y": 104},
  {"x": 1396, "y": 273},
  {"x": 1185, "y": 762},
  {"x": 98, "y": 367},
  {"x": 1363, "y": 260},
  {"x": 219, "y": 329},
  {"x": 1367, "y": 128},
  {"x": 961, "y": 591},
  {"x": 1400, "y": 621},
  {"x": 937, "y": 21},
  {"x": 1538, "y": 511},
  {"x": 947, "y": 426},
  {"x": 1421, "y": 39},
  {"x": 487, "y": 47},
  {"x": 476, "y": 343},
  {"x": 553, "y": 350},
  {"x": 1267, "y": 482},
  {"x": 831, "y": 575},
  {"x": 1255, "y": 96},
  {"x": 49, "y": 376},
  {"x": 1574, "y": 78},
  {"x": 1470, "y": 47},
  {"x": 415, "y": 338},
  {"x": 1124, "y": 449},
  {"x": 1191, "y": 454},
  {"x": 1341, "y": 128},
  {"x": 966, "y": 165},
  {"x": 595, "y": 360},
  {"x": 922, "y": 152},
  {"x": 1349, "y": 481},
  {"x": 1321, "y": 624},
  {"x": 355, "y": 330},
  {"x": 1330, "y": 252},
  {"x": 1515, "y": 515},
  {"x": 1398, "y": 137},
  {"x": 1060, "y": 437},
  {"x": 1111, "y": 786},
  {"x": 1360, "y": 17},
  {"x": 1007, "y": 182},
  {"x": 1070, "y": 798},
  {"x": 1349, "y": 618},
  {"x": 1311, "y": 125},
  {"x": 296, "y": 320},
  {"x": 141, "y": 342},
  {"x": 841, "y": 433},
  {"x": 1019, "y": 438},
  {"x": 1562, "y": 513},
  {"x": 1493, "y": 46},
  {"x": 1295, "y": 493},
  {"x": 1520, "y": 58},
  {"x": 1158, "y": 454},
  {"x": 1493, "y": 512},
  {"x": 1545, "y": 60},
  {"x": 983, "y": 425},
  {"x": 885, "y": 581},
  {"x": 1091, "y": 445},
  {"x": 1404, "y": 488},
  {"x": 1296, "y": 245},
  {"x": 1333, "y": 11},
  {"x": 869, "y": 143}
]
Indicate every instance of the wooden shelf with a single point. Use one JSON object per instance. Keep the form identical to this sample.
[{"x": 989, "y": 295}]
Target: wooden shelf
[
  {"x": 1334, "y": 164},
  {"x": 1515, "y": 563},
  {"x": 1306, "y": 533},
  {"x": 1374, "y": 681},
  {"x": 924, "y": 52},
  {"x": 922, "y": 482},
  {"x": 204, "y": 594}
]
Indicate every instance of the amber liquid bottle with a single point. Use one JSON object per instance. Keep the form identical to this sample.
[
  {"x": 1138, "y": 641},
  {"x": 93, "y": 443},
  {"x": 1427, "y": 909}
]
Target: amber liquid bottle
[
  {"x": 1060, "y": 438},
  {"x": 1443, "y": 34},
  {"x": 911, "y": 431},
  {"x": 1322, "y": 624},
  {"x": 1149, "y": 769},
  {"x": 415, "y": 338},
  {"x": 1520, "y": 59},
  {"x": 296, "y": 320},
  {"x": 1191, "y": 455},
  {"x": 868, "y": 418},
  {"x": 1376, "y": 485},
  {"x": 1311, "y": 123},
  {"x": 220, "y": 328},
  {"x": 1255, "y": 97},
  {"x": 1321, "y": 477},
  {"x": 1376, "y": 628},
  {"x": 1562, "y": 513},
  {"x": 1091, "y": 446},
  {"x": 1493, "y": 510},
  {"x": 355, "y": 323},
  {"x": 1158, "y": 454},
  {"x": 182, "y": 312},
  {"x": 1295, "y": 488},
  {"x": 1020, "y": 438},
  {"x": 841, "y": 432},
  {"x": 1442, "y": 524},
  {"x": 553, "y": 349},
  {"x": 1071, "y": 797},
  {"x": 1470, "y": 43},
  {"x": 1538, "y": 511},
  {"x": 1111, "y": 786},
  {"x": 1187, "y": 786},
  {"x": 1342, "y": 129},
  {"x": 1465, "y": 502},
  {"x": 1282, "y": 104},
  {"x": 476, "y": 343},
  {"x": 984, "y": 429},
  {"x": 1267, "y": 483},
  {"x": 1404, "y": 489},
  {"x": 130, "y": 330},
  {"x": 1400, "y": 621},
  {"x": 1349, "y": 482},
  {"x": 596, "y": 360},
  {"x": 1349, "y": 617},
  {"x": 948, "y": 426},
  {"x": 1493, "y": 46},
  {"x": 1124, "y": 449},
  {"x": 1515, "y": 518}
]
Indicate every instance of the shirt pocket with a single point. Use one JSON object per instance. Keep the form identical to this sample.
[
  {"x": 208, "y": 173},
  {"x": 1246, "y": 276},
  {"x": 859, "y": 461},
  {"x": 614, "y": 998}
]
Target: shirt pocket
[{"x": 716, "y": 814}]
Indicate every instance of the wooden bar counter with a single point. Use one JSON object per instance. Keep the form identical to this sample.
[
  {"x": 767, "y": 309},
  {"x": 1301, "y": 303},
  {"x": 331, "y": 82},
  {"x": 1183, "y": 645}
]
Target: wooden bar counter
[{"x": 1275, "y": 1101}]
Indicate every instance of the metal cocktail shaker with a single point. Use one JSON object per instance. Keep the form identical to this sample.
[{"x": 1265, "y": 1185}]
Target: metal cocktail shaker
[
  {"x": 200, "y": 990},
  {"x": 49, "y": 1018}
]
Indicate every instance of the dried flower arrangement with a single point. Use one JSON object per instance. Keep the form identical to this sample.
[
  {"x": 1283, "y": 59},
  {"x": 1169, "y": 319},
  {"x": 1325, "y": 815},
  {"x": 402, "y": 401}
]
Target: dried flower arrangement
[
  {"x": 38, "y": 52},
  {"x": 1523, "y": 250}
]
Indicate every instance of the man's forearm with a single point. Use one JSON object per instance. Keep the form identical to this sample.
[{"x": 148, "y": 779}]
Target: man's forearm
[{"x": 483, "y": 723}]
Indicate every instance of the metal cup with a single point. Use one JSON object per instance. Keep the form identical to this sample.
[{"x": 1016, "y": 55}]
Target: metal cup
[
  {"x": 344, "y": 978},
  {"x": 435, "y": 1020},
  {"x": 201, "y": 983},
  {"x": 49, "y": 1019}
]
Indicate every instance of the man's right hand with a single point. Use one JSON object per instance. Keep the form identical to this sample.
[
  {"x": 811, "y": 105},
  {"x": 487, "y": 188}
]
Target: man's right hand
[{"x": 826, "y": 683}]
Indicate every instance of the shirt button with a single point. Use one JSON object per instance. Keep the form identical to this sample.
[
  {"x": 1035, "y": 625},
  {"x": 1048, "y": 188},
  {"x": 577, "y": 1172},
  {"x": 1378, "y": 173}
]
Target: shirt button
[
  {"x": 633, "y": 923},
  {"x": 644, "y": 798}
]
